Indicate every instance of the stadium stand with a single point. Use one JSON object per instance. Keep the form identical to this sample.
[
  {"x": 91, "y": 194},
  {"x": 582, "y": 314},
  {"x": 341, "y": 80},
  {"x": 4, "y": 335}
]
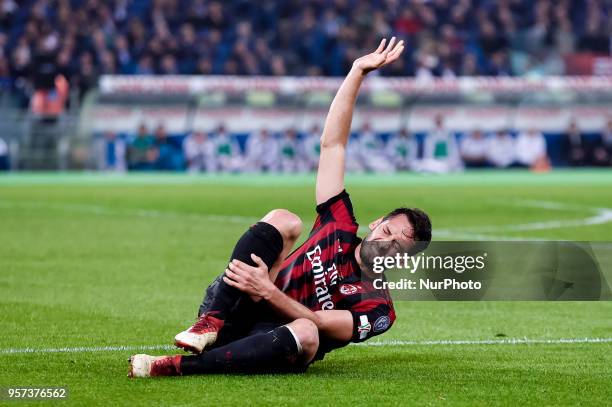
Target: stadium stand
[
  {"x": 446, "y": 38},
  {"x": 53, "y": 53}
]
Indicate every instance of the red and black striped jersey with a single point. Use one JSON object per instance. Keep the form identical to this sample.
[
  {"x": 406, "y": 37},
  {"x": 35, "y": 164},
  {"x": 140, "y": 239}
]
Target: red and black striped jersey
[{"x": 322, "y": 273}]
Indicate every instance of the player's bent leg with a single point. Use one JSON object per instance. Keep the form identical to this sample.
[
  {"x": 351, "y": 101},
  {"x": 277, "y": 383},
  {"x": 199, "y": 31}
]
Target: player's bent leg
[
  {"x": 286, "y": 222},
  {"x": 271, "y": 239},
  {"x": 275, "y": 351},
  {"x": 285, "y": 349},
  {"x": 307, "y": 337}
]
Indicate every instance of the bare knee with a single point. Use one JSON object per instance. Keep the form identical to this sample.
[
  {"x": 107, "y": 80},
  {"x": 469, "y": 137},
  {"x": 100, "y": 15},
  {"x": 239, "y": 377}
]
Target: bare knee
[
  {"x": 308, "y": 336},
  {"x": 286, "y": 222}
]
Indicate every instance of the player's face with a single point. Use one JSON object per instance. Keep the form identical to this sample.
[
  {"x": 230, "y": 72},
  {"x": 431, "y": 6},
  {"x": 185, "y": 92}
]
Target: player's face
[
  {"x": 396, "y": 229},
  {"x": 387, "y": 237}
]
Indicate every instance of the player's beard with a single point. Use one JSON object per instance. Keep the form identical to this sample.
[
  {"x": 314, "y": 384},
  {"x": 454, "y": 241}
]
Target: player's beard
[{"x": 370, "y": 250}]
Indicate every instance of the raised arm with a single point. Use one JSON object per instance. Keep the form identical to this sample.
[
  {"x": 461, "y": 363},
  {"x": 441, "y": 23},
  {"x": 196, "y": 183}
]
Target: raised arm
[{"x": 330, "y": 175}]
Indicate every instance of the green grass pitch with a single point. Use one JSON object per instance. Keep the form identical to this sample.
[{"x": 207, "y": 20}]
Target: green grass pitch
[{"x": 91, "y": 260}]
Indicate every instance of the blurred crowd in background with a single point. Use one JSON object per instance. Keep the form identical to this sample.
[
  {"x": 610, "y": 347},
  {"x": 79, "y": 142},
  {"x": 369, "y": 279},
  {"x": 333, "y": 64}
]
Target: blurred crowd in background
[
  {"x": 440, "y": 150},
  {"x": 152, "y": 148},
  {"x": 82, "y": 39}
]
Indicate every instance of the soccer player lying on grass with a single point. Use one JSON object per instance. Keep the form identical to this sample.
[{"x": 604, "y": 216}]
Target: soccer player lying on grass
[{"x": 272, "y": 311}]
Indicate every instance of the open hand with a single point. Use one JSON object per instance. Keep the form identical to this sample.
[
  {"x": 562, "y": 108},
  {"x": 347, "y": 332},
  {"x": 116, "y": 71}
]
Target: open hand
[{"x": 381, "y": 57}]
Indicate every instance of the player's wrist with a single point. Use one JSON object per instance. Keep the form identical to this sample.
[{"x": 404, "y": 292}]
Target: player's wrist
[
  {"x": 358, "y": 70},
  {"x": 269, "y": 292}
]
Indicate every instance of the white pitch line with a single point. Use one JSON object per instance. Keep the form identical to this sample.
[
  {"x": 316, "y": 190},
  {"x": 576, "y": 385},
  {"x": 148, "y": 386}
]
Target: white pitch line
[
  {"x": 157, "y": 214},
  {"x": 391, "y": 342},
  {"x": 137, "y": 212},
  {"x": 552, "y": 205},
  {"x": 602, "y": 216},
  {"x": 599, "y": 216},
  {"x": 85, "y": 349}
]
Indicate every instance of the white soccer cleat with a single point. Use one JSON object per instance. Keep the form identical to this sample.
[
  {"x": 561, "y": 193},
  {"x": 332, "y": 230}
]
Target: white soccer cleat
[
  {"x": 202, "y": 334},
  {"x": 140, "y": 365},
  {"x": 150, "y": 366},
  {"x": 194, "y": 343}
]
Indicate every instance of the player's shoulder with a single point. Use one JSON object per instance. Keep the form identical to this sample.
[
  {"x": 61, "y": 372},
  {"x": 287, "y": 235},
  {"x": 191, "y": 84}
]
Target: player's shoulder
[
  {"x": 338, "y": 231},
  {"x": 338, "y": 208}
]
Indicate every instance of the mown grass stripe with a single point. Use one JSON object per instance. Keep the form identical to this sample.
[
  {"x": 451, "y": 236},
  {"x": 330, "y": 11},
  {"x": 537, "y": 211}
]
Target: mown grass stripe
[{"x": 392, "y": 342}]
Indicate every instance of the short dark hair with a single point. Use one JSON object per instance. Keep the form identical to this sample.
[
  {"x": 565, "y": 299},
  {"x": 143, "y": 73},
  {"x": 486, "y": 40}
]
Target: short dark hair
[{"x": 421, "y": 225}]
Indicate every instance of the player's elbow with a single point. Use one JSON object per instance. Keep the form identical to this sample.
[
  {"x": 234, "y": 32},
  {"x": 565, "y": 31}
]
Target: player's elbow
[
  {"x": 324, "y": 143},
  {"x": 335, "y": 324},
  {"x": 327, "y": 143}
]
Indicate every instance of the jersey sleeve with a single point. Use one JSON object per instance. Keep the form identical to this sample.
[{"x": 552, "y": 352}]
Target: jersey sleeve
[
  {"x": 371, "y": 317},
  {"x": 336, "y": 209}
]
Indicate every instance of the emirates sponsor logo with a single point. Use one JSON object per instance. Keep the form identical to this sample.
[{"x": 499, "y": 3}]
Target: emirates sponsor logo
[{"x": 320, "y": 277}]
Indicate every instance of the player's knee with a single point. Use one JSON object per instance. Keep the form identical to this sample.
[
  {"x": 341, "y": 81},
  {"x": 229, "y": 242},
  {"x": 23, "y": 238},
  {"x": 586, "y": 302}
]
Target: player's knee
[
  {"x": 308, "y": 336},
  {"x": 286, "y": 222}
]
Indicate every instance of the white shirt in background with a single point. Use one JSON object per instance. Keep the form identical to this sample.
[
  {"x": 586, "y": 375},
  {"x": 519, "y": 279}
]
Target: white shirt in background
[
  {"x": 262, "y": 153},
  {"x": 501, "y": 150},
  {"x": 474, "y": 148},
  {"x": 530, "y": 147},
  {"x": 371, "y": 150},
  {"x": 200, "y": 155}
]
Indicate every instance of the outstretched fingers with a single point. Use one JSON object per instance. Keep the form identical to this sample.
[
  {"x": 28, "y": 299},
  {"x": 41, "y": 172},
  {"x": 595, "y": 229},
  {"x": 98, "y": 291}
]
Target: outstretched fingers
[
  {"x": 381, "y": 46},
  {"x": 396, "y": 51},
  {"x": 390, "y": 46}
]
